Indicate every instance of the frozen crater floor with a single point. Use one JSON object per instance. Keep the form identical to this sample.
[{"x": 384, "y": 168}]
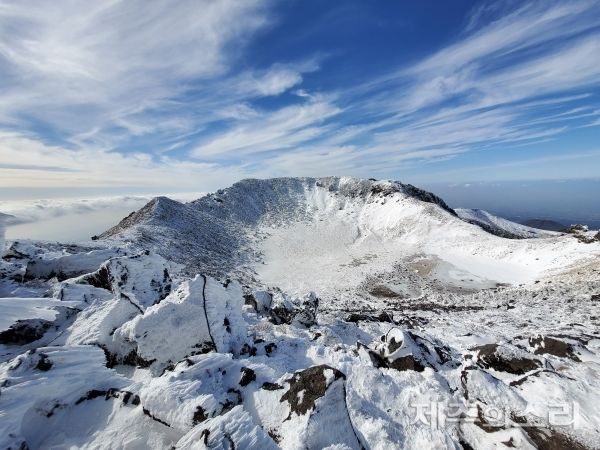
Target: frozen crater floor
[{"x": 303, "y": 313}]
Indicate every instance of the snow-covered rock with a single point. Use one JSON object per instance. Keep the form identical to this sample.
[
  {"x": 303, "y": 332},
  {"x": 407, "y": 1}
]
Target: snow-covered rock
[
  {"x": 145, "y": 278},
  {"x": 25, "y": 320},
  {"x": 68, "y": 266},
  {"x": 284, "y": 308},
  {"x": 308, "y": 410},
  {"x": 423, "y": 331},
  {"x": 41, "y": 386},
  {"x": 202, "y": 315},
  {"x": 234, "y": 429}
]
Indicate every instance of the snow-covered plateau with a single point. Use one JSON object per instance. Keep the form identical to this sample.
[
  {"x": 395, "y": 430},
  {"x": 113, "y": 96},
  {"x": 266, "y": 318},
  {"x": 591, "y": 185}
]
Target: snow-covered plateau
[{"x": 303, "y": 313}]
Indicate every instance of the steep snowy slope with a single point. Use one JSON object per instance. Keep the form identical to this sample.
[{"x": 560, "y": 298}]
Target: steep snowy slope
[{"x": 301, "y": 313}]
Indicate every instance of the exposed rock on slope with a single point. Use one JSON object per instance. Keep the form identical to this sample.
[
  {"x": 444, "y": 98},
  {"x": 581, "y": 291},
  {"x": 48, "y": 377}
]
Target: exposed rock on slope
[{"x": 182, "y": 234}]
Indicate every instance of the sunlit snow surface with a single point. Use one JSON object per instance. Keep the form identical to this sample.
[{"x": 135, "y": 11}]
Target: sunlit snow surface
[{"x": 191, "y": 326}]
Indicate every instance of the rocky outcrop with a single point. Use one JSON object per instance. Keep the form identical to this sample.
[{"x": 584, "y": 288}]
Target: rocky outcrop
[
  {"x": 506, "y": 359},
  {"x": 145, "y": 278},
  {"x": 405, "y": 350},
  {"x": 67, "y": 266},
  {"x": 548, "y": 345},
  {"x": 308, "y": 409},
  {"x": 24, "y": 331},
  {"x": 294, "y": 310}
]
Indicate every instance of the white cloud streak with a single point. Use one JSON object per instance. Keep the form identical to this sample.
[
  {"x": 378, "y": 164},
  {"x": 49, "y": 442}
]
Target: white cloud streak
[{"x": 105, "y": 77}]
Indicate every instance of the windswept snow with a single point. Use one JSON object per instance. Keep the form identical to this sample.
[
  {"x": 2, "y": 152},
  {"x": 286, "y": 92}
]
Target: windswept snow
[{"x": 302, "y": 313}]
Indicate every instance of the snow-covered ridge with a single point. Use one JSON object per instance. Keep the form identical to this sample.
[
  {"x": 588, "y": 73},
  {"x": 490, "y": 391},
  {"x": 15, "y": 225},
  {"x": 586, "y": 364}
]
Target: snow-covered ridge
[
  {"x": 499, "y": 226},
  {"x": 215, "y": 234},
  {"x": 309, "y": 233}
]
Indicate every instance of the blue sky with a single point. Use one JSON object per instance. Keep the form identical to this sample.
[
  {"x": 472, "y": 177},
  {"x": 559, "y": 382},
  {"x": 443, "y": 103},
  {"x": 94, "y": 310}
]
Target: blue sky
[{"x": 135, "y": 96}]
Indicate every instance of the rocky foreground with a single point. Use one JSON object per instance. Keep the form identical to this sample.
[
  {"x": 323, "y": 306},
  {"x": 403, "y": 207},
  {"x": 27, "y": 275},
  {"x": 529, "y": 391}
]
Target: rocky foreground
[{"x": 121, "y": 346}]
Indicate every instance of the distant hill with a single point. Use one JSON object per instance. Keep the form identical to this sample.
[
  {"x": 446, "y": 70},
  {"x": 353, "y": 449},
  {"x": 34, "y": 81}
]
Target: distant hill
[{"x": 544, "y": 224}]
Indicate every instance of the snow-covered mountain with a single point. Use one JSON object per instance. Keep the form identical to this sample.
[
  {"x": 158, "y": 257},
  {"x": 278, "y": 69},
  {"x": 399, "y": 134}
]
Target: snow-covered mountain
[{"x": 303, "y": 313}]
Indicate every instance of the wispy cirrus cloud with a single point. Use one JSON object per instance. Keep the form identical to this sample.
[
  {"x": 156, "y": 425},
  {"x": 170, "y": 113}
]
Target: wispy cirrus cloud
[{"x": 145, "y": 94}]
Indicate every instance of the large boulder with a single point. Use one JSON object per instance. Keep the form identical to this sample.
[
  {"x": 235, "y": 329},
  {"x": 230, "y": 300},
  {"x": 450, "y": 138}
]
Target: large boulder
[
  {"x": 405, "y": 350},
  {"x": 202, "y": 315},
  {"x": 505, "y": 358}
]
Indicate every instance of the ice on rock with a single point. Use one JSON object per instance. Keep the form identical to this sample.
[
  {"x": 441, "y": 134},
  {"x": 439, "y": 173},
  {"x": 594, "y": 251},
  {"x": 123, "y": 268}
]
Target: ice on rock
[{"x": 202, "y": 315}]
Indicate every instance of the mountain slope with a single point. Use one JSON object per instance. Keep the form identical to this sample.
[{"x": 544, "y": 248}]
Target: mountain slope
[
  {"x": 215, "y": 234},
  {"x": 332, "y": 234}
]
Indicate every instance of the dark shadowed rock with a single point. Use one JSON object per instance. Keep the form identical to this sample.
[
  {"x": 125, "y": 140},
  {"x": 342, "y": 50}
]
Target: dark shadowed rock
[
  {"x": 504, "y": 359},
  {"x": 312, "y": 383},
  {"x": 294, "y": 310},
  {"x": 24, "y": 331},
  {"x": 552, "y": 346}
]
